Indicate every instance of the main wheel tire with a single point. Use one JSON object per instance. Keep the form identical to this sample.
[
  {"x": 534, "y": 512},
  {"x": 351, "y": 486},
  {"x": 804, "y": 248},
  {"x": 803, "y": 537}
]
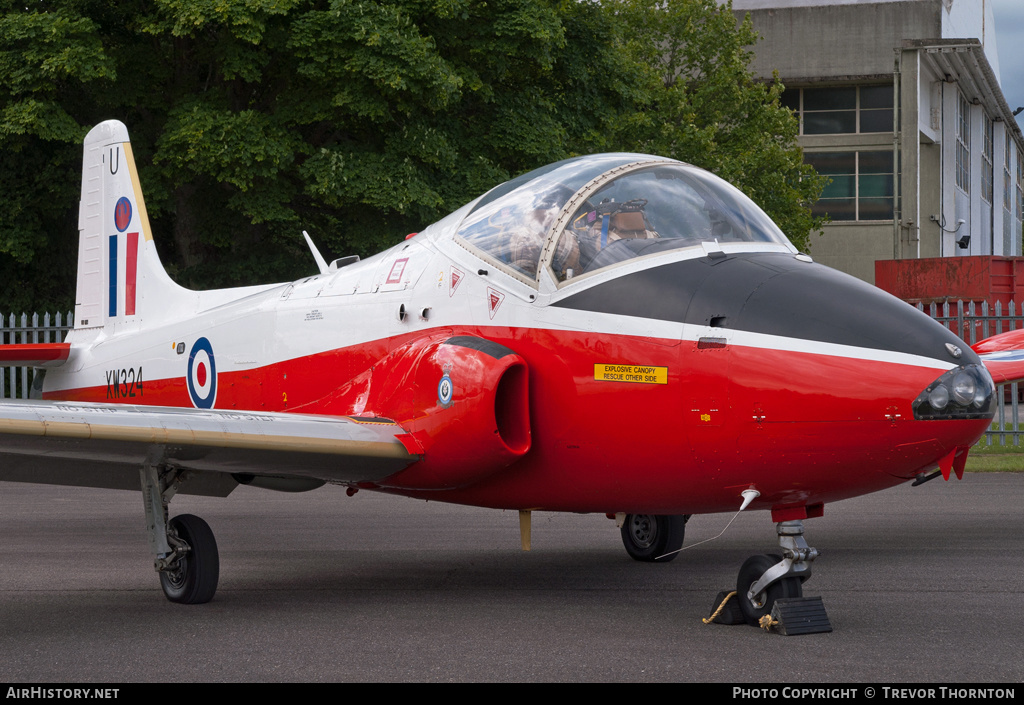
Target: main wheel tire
[
  {"x": 750, "y": 573},
  {"x": 194, "y": 580},
  {"x": 647, "y": 536}
]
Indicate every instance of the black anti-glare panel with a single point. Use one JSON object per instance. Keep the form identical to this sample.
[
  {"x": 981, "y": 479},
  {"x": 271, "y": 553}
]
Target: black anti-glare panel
[{"x": 776, "y": 294}]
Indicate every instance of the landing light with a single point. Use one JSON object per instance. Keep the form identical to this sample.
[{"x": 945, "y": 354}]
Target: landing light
[
  {"x": 964, "y": 387},
  {"x": 939, "y": 397},
  {"x": 961, "y": 393}
]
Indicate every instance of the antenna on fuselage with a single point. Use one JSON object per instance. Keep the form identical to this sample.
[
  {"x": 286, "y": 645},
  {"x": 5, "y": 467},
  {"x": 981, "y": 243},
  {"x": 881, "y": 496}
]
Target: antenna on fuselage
[
  {"x": 320, "y": 261},
  {"x": 748, "y": 497}
]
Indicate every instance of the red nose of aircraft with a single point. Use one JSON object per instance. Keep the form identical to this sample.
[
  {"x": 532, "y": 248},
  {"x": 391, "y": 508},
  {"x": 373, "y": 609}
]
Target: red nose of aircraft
[{"x": 802, "y": 382}]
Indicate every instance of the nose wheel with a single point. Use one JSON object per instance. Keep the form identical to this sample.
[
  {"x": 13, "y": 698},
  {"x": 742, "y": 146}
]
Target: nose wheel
[
  {"x": 766, "y": 578},
  {"x": 755, "y": 606}
]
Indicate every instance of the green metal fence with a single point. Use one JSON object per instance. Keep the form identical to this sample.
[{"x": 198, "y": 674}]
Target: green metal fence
[{"x": 16, "y": 382}]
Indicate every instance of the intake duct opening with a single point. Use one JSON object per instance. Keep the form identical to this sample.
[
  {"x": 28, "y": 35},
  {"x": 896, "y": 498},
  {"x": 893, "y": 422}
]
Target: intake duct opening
[{"x": 511, "y": 408}]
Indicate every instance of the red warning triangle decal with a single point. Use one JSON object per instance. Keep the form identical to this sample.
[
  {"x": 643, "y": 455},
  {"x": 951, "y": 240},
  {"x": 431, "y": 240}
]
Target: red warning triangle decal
[
  {"x": 456, "y": 279},
  {"x": 494, "y": 299}
]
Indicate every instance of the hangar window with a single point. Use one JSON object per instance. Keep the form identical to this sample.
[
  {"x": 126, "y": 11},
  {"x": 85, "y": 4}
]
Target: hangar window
[
  {"x": 986, "y": 162},
  {"x": 1009, "y": 246},
  {"x": 1020, "y": 186},
  {"x": 963, "y": 144},
  {"x": 861, "y": 186},
  {"x": 841, "y": 110},
  {"x": 1007, "y": 181}
]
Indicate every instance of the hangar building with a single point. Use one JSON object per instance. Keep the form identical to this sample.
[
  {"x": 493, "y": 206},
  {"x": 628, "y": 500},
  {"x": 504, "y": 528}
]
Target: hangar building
[{"x": 900, "y": 105}]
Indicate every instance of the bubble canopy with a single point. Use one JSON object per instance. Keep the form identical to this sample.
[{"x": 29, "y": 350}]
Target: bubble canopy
[{"x": 585, "y": 214}]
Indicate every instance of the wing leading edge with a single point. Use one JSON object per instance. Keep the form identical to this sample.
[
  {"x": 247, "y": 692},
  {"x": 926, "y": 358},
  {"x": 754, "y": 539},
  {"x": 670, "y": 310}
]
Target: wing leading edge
[
  {"x": 100, "y": 445},
  {"x": 1003, "y": 356}
]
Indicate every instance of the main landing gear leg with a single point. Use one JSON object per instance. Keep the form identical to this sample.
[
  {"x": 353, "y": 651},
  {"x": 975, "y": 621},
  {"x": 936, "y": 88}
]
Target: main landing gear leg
[
  {"x": 764, "y": 579},
  {"x": 185, "y": 549}
]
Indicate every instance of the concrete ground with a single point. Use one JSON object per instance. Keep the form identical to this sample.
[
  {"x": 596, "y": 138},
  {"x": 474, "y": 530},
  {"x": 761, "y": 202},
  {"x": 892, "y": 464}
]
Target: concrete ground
[{"x": 921, "y": 585}]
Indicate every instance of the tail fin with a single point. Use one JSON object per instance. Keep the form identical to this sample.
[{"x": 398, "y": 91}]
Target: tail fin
[{"x": 120, "y": 277}]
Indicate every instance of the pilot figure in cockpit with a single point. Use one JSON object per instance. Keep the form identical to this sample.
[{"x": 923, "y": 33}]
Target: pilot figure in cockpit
[
  {"x": 598, "y": 228},
  {"x": 528, "y": 239}
]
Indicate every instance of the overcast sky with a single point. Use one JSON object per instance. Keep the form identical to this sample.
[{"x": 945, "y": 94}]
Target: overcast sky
[{"x": 1009, "y": 16}]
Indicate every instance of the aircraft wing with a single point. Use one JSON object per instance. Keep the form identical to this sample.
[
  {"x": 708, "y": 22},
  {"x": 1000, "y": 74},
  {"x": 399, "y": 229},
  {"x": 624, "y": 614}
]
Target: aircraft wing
[
  {"x": 105, "y": 445},
  {"x": 1003, "y": 356}
]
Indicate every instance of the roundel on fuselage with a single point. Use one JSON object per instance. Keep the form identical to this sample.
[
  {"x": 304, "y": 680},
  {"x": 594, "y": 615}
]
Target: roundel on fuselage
[{"x": 202, "y": 375}]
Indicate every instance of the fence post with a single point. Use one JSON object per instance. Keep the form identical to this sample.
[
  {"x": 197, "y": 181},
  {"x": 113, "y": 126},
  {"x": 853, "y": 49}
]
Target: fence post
[
  {"x": 3, "y": 372},
  {"x": 24, "y": 370}
]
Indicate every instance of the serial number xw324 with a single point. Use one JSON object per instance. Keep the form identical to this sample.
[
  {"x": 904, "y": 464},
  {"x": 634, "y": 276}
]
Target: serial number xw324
[{"x": 124, "y": 383}]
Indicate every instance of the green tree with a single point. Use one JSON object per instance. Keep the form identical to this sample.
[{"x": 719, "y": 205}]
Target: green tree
[
  {"x": 706, "y": 108},
  {"x": 50, "y": 61},
  {"x": 358, "y": 120}
]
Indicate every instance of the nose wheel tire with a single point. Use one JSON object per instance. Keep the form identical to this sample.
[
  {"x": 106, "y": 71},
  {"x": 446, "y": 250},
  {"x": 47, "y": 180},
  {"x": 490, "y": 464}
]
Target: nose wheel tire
[
  {"x": 647, "y": 536},
  {"x": 193, "y": 580},
  {"x": 760, "y": 605}
]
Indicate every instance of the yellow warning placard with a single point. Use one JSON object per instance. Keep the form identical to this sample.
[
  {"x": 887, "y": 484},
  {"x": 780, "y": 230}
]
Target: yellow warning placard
[{"x": 643, "y": 374}]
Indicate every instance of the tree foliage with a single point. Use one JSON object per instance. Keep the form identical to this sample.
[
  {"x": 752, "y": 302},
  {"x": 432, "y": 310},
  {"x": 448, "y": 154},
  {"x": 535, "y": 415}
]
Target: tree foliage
[
  {"x": 358, "y": 120},
  {"x": 707, "y": 108}
]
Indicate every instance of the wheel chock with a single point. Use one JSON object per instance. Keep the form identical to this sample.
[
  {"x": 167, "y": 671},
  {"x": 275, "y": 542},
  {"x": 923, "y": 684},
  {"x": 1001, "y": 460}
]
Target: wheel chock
[
  {"x": 800, "y": 615},
  {"x": 726, "y": 610}
]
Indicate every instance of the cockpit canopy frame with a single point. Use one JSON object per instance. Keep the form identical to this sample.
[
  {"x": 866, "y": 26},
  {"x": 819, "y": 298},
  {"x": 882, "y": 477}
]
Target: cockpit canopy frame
[{"x": 585, "y": 215}]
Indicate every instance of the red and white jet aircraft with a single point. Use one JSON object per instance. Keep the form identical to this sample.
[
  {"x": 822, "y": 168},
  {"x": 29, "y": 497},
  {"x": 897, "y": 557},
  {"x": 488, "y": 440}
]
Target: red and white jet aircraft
[{"x": 620, "y": 333}]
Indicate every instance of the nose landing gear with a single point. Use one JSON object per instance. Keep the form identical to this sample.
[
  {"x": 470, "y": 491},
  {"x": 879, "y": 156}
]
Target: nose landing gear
[{"x": 764, "y": 579}]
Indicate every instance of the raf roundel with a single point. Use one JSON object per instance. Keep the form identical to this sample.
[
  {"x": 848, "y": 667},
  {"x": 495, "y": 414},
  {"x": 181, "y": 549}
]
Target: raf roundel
[
  {"x": 202, "y": 375},
  {"x": 122, "y": 214}
]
